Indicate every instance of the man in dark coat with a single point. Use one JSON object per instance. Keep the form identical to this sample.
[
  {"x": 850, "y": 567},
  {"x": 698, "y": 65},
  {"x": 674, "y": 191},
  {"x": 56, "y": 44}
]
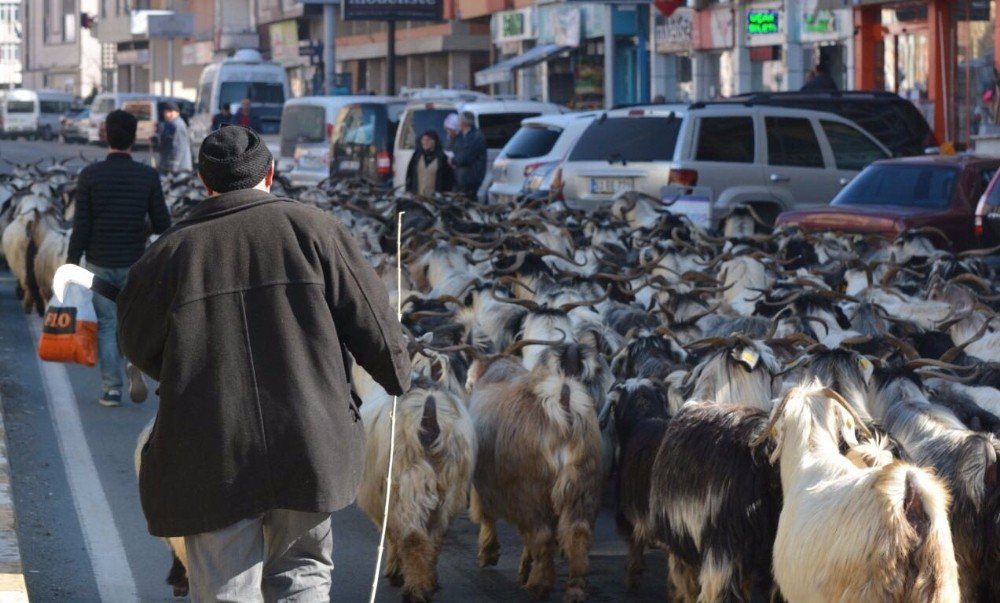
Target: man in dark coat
[
  {"x": 245, "y": 311},
  {"x": 114, "y": 197},
  {"x": 820, "y": 80},
  {"x": 174, "y": 141},
  {"x": 470, "y": 156}
]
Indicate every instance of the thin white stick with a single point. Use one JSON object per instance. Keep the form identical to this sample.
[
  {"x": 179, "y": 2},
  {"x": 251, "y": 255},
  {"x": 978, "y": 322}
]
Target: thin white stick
[{"x": 392, "y": 416}]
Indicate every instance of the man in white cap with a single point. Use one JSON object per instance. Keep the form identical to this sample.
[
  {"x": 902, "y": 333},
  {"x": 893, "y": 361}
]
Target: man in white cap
[{"x": 451, "y": 128}]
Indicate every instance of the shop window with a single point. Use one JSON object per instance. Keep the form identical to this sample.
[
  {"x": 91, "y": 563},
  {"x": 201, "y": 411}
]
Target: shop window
[
  {"x": 792, "y": 142},
  {"x": 726, "y": 139},
  {"x": 851, "y": 149}
]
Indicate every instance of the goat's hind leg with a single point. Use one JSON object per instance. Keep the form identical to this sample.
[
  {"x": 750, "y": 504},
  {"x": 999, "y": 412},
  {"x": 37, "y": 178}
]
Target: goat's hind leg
[
  {"x": 718, "y": 580},
  {"x": 683, "y": 584},
  {"x": 541, "y": 545},
  {"x": 393, "y": 570},
  {"x": 575, "y": 536},
  {"x": 416, "y": 554},
  {"x": 489, "y": 545}
]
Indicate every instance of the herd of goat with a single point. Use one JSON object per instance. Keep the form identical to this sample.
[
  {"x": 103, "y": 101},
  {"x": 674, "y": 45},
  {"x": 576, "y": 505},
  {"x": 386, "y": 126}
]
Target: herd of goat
[{"x": 787, "y": 416}]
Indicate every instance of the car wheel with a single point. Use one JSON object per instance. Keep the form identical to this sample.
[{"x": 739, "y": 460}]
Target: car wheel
[{"x": 767, "y": 212}]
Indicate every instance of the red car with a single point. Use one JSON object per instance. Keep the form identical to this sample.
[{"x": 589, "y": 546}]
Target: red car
[{"x": 895, "y": 195}]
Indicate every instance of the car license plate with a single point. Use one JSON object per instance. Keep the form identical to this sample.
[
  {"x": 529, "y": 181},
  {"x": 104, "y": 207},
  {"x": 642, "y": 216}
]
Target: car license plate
[
  {"x": 350, "y": 165},
  {"x": 611, "y": 186}
]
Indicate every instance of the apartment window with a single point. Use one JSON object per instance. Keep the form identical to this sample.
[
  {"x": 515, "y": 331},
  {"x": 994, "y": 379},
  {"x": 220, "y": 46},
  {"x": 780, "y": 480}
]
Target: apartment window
[{"x": 69, "y": 21}]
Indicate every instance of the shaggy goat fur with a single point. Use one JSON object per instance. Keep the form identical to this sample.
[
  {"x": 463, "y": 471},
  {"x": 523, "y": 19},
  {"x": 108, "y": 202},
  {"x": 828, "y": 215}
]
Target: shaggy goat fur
[
  {"x": 900, "y": 547},
  {"x": 715, "y": 502},
  {"x": 435, "y": 457},
  {"x": 538, "y": 468}
]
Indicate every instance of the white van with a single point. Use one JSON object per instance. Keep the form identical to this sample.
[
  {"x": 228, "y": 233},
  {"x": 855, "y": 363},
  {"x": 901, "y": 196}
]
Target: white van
[
  {"x": 33, "y": 114},
  {"x": 498, "y": 120},
  {"x": 105, "y": 103},
  {"x": 307, "y": 124},
  {"x": 244, "y": 75}
]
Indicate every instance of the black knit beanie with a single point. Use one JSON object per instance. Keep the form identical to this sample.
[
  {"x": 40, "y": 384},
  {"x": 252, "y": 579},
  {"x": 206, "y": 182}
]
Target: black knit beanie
[{"x": 233, "y": 158}]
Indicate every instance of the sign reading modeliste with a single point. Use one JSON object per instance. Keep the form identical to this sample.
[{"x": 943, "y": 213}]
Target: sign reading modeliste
[{"x": 393, "y": 10}]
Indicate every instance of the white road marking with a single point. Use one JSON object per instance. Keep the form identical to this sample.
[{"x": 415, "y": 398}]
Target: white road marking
[{"x": 100, "y": 534}]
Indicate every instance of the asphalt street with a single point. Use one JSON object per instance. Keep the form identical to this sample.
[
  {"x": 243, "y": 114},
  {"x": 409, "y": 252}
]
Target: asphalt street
[{"x": 81, "y": 530}]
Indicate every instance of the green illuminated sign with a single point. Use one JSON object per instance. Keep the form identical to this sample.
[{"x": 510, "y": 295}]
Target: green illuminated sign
[
  {"x": 512, "y": 24},
  {"x": 762, "y": 21}
]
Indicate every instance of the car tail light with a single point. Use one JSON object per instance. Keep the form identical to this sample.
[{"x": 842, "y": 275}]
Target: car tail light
[
  {"x": 683, "y": 177},
  {"x": 556, "y": 188},
  {"x": 978, "y": 228},
  {"x": 329, "y": 131},
  {"x": 636, "y": 113},
  {"x": 383, "y": 162},
  {"x": 531, "y": 167}
]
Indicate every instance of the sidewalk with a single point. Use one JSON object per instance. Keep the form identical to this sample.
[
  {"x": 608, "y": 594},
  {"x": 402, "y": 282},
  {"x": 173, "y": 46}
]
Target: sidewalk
[{"x": 12, "y": 586}]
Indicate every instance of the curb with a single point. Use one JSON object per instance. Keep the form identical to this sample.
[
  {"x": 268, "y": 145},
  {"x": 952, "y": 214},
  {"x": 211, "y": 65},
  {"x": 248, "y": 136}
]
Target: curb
[{"x": 12, "y": 586}]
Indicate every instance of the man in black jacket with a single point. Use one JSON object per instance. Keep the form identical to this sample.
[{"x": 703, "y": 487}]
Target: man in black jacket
[
  {"x": 245, "y": 311},
  {"x": 113, "y": 198},
  {"x": 470, "y": 156}
]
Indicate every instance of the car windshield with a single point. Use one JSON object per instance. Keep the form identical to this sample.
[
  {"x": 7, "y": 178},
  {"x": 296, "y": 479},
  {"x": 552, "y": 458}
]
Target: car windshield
[
  {"x": 532, "y": 141},
  {"x": 918, "y": 186},
  {"x": 302, "y": 123},
  {"x": 624, "y": 139},
  {"x": 422, "y": 120},
  {"x": 257, "y": 92},
  {"x": 16, "y": 106}
]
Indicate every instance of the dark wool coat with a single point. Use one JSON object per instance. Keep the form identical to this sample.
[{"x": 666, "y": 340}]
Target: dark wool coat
[{"x": 242, "y": 312}]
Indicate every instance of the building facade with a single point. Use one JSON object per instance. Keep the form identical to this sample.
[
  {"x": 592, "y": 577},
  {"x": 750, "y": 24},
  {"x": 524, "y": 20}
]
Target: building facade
[
  {"x": 10, "y": 44},
  {"x": 56, "y": 52}
]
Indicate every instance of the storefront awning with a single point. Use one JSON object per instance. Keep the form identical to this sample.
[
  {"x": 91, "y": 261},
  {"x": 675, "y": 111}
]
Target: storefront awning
[{"x": 501, "y": 72}]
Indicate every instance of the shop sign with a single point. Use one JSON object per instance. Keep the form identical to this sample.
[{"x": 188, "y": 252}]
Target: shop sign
[
  {"x": 513, "y": 26},
  {"x": 199, "y": 53},
  {"x": 284, "y": 42},
  {"x": 673, "y": 34},
  {"x": 824, "y": 25},
  {"x": 762, "y": 22},
  {"x": 392, "y": 10},
  {"x": 566, "y": 27},
  {"x": 712, "y": 29}
]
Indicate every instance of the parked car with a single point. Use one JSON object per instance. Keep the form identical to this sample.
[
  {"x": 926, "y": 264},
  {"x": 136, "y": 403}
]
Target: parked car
[
  {"x": 890, "y": 118},
  {"x": 705, "y": 159},
  {"x": 528, "y": 160},
  {"x": 307, "y": 125},
  {"x": 74, "y": 125},
  {"x": 363, "y": 140},
  {"x": 105, "y": 103},
  {"x": 498, "y": 120},
  {"x": 987, "y": 218},
  {"x": 149, "y": 113},
  {"x": 33, "y": 114},
  {"x": 244, "y": 75},
  {"x": 892, "y": 196}
]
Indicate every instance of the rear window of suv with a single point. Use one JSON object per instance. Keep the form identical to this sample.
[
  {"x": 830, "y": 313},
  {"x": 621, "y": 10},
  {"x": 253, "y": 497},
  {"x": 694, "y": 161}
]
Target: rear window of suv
[
  {"x": 499, "y": 128},
  {"x": 532, "y": 141},
  {"x": 628, "y": 139}
]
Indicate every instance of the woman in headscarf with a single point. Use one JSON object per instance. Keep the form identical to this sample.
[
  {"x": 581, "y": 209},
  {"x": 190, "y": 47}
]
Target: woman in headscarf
[{"x": 429, "y": 172}]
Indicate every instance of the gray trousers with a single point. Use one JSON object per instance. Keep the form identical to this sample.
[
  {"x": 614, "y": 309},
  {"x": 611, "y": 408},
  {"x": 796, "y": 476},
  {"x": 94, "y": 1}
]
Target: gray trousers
[{"x": 278, "y": 556}]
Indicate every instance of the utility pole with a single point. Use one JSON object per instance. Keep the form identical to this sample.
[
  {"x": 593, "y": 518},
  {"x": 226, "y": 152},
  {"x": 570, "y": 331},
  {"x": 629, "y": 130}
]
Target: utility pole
[
  {"x": 330, "y": 47},
  {"x": 390, "y": 79},
  {"x": 609, "y": 57}
]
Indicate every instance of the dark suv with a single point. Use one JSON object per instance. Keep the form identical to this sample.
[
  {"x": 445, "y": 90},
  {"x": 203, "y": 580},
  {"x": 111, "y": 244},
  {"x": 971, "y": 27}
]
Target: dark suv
[
  {"x": 363, "y": 139},
  {"x": 893, "y": 120}
]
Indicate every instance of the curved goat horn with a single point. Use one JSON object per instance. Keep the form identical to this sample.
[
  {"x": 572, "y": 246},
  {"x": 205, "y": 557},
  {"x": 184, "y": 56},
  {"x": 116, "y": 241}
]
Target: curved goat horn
[{"x": 587, "y": 302}]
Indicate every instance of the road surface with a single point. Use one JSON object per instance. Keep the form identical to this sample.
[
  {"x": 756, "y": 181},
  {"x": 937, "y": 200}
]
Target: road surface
[{"x": 81, "y": 530}]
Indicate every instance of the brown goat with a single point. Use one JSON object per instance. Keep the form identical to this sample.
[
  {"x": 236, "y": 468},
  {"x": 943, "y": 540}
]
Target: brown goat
[{"x": 539, "y": 468}]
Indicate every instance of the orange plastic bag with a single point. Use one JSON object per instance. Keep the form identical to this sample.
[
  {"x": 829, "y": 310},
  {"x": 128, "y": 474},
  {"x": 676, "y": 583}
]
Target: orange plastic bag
[{"x": 69, "y": 329}]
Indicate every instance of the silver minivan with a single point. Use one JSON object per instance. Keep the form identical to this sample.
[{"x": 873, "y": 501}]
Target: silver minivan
[{"x": 703, "y": 159}]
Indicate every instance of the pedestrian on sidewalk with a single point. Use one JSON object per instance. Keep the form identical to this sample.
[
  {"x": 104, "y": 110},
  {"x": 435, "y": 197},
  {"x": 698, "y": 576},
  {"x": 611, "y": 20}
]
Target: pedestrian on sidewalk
[
  {"x": 223, "y": 118},
  {"x": 429, "y": 171},
  {"x": 113, "y": 199},
  {"x": 246, "y": 117},
  {"x": 245, "y": 311},
  {"x": 174, "y": 141},
  {"x": 470, "y": 156}
]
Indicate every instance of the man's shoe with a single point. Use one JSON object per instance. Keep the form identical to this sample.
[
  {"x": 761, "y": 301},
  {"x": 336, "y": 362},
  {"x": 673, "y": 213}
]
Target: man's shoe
[
  {"x": 136, "y": 385},
  {"x": 111, "y": 399}
]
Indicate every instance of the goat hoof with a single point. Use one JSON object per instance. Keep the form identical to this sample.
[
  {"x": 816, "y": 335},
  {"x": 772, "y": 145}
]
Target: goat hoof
[
  {"x": 416, "y": 597},
  {"x": 539, "y": 591},
  {"x": 488, "y": 559},
  {"x": 181, "y": 591},
  {"x": 574, "y": 595}
]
